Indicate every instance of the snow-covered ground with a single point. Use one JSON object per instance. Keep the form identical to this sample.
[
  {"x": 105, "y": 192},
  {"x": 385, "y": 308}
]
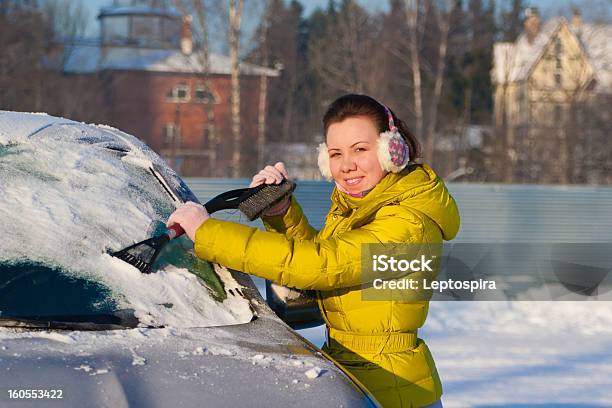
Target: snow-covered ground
[
  {"x": 522, "y": 354},
  {"x": 517, "y": 354}
]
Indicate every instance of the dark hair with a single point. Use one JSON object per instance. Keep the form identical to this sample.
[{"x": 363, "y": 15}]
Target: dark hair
[{"x": 352, "y": 105}]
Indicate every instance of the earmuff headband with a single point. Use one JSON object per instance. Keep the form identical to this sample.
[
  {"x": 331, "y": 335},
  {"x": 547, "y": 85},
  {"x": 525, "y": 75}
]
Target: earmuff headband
[{"x": 392, "y": 126}]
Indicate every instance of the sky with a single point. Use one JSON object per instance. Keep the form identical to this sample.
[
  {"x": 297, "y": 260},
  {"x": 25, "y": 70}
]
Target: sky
[
  {"x": 93, "y": 6},
  {"x": 591, "y": 9}
]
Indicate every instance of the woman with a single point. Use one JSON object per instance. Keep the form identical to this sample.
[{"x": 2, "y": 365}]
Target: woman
[{"x": 381, "y": 196}]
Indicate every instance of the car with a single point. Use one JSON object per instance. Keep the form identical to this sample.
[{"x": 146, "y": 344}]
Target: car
[{"x": 83, "y": 326}]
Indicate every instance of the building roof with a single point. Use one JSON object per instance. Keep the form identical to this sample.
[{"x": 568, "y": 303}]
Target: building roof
[
  {"x": 138, "y": 10},
  {"x": 598, "y": 47},
  {"x": 514, "y": 61},
  {"x": 87, "y": 59}
]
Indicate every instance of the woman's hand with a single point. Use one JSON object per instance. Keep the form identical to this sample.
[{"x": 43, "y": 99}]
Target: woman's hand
[
  {"x": 189, "y": 216},
  {"x": 270, "y": 175},
  {"x": 273, "y": 175}
]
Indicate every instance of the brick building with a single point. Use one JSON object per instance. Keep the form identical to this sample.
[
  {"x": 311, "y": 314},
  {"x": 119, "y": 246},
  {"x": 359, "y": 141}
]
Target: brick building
[{"x": 155, "y": 85}]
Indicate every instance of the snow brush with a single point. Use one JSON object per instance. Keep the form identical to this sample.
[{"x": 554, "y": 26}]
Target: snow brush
[{"x": 252, "y": 202}]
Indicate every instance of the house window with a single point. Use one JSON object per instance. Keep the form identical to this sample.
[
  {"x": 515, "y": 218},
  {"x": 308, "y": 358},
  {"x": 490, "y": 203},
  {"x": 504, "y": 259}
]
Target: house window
[
  {"x": 171, "y": 133},
  {"x": 144, "y": 29},
  {"x": 203, "y": 95},
  {"x": 180, "y": 93}
]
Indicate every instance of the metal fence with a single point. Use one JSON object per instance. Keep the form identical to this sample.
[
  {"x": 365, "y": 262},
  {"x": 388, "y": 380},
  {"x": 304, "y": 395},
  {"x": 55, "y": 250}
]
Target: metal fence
[{"x": 489, "y": 212}]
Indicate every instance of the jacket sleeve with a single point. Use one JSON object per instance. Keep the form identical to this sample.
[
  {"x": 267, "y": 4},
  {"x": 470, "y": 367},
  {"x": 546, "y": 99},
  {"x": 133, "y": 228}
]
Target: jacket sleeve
[
  {"x": 293, "y": 224},
  {"x": 320, "y": 264}
]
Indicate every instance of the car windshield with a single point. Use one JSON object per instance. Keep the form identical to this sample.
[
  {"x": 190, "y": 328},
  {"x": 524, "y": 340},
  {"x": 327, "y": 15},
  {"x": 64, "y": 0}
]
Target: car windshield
[{"x": 71, "y": 194}]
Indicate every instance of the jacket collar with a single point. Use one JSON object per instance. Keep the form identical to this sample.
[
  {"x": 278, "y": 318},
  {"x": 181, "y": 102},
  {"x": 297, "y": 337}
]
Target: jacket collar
[
  {"x": 383, "y": 193},
  {"x": 417, "y": 187}
]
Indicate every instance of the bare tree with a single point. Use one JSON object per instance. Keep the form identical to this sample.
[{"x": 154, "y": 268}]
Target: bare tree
[
  {"x": 23, "y": 44},
  {"x": 342, "y": 56},
  {"x": 416, "y": 14},
  {"x": 443, "y": 14},
  {"x": 67, "y": 17},
  {"x": 203, "y": 53},
  {"x": 201, "y": 10},
  {"x": 263, "y": 85},
  {"x": 235, "y": 12},
  {"x": 281, "y": 43},
  {"x": 511, "y": 20},
  {"x": 413, "y": 20},
  {"x": 36, "y": 42},
  {"x": 504, "y": 149}
]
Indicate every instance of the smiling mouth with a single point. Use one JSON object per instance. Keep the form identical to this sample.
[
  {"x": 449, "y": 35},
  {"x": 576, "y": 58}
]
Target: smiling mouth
[{"x": 353, "y": 181}]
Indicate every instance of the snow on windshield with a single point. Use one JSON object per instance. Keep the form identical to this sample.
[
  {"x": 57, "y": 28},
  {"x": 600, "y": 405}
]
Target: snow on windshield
[{"x": 71, "y": 192}]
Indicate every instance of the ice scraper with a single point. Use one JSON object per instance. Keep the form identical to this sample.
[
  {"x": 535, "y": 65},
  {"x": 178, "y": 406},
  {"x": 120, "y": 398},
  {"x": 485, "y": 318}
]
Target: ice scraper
[{"x": 252, "y": 202}]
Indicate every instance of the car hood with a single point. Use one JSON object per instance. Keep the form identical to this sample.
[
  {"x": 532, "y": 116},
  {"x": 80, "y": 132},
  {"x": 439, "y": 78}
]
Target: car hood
[{"x": 261, "y": 363}]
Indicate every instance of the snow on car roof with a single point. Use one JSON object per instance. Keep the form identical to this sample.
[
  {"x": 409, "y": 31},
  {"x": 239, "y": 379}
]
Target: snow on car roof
[{"x": 72, "y": 191}]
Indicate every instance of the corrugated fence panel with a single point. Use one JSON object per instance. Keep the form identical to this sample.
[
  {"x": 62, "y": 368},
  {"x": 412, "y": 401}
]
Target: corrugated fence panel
[
  {"x": 489, "y": 212},
  {"x": 533, "y": 213}
]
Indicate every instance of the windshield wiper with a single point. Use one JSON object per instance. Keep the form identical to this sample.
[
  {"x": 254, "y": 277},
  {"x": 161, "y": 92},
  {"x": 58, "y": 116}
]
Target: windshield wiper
[{"x": 72, "y": 322}]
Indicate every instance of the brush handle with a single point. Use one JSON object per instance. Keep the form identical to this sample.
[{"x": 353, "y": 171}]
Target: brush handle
[
  {"x": 230, "y": 200},
  {"x": 175, "y": 231},
  {"x": 225, "y": 201}
]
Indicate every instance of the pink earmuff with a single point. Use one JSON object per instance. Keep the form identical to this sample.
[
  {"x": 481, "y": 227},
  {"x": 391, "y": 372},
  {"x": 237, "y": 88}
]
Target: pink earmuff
[{"x": 393, "y": 153}]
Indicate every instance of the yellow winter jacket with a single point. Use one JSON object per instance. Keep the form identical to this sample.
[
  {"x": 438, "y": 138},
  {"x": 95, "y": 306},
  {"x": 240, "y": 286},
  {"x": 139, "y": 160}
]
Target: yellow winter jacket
[{"x": 375, "y": 340}]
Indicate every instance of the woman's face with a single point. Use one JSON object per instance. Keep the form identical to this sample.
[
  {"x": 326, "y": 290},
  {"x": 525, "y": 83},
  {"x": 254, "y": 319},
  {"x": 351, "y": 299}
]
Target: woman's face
[{"x": 352, "y": 147}]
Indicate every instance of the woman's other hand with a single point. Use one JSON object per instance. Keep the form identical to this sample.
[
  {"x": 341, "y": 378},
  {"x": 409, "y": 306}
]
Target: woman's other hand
[
  {"x": 270, "y": 175},
  {"x": 189, "y": 216},
  {"x": 273, "y": 175}
]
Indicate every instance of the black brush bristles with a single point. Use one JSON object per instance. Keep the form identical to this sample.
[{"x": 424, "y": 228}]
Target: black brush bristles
[
  {"x": 143, "y": 254},
  {"x": 270, "y": 195}
]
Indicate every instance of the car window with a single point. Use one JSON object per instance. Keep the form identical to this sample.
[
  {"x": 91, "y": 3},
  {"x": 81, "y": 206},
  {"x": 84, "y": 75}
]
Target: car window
[
  {"x": 71, "y": 194},
  {"x": 29, "y": 290}
]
